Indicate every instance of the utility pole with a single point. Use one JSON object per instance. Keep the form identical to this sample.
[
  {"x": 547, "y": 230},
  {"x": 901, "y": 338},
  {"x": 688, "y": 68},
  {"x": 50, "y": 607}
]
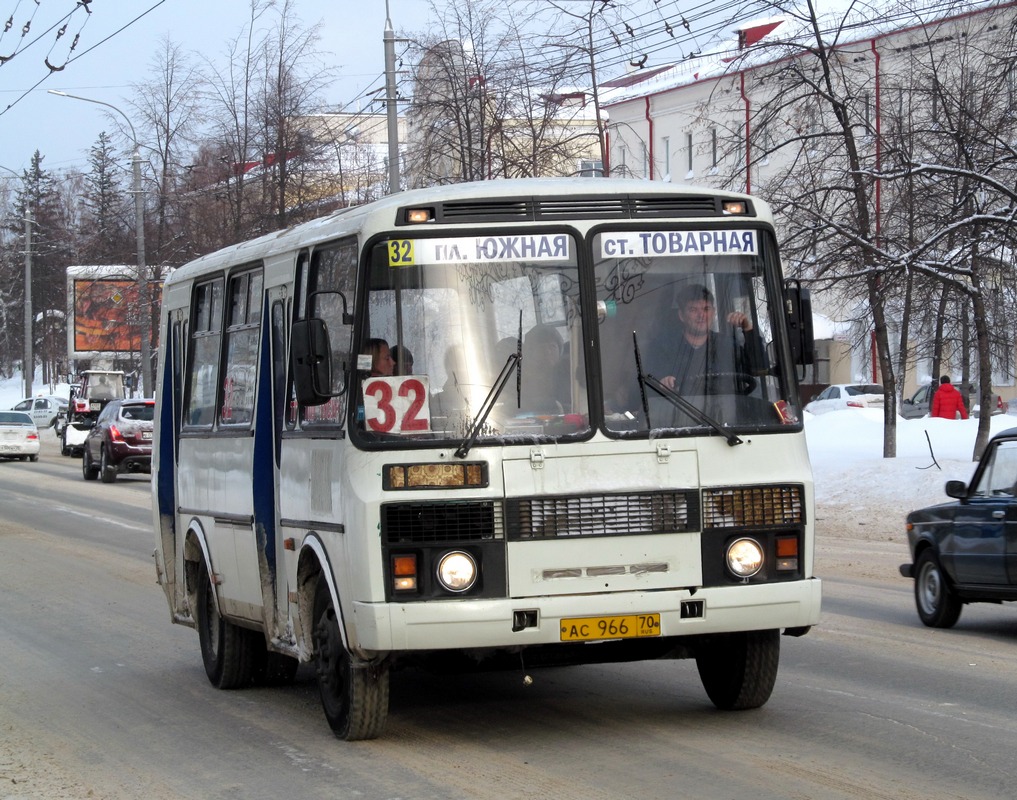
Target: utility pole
[
  {"x": 390, "y": 105},
  {"x": 28, "y": 366}
]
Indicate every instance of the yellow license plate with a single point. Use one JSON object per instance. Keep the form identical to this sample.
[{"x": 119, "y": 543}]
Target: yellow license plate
[{"x": 631, "y": 626}]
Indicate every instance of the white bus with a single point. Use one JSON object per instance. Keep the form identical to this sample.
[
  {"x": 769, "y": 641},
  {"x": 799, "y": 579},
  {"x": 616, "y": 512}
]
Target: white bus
[{"x": 563, "y": 474}]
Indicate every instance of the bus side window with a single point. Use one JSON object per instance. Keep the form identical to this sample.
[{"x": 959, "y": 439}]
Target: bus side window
[
  {"x": 331, "y": 289},
  {"x": 206, "y": 332},
  {"x": 245, "y": 301}
]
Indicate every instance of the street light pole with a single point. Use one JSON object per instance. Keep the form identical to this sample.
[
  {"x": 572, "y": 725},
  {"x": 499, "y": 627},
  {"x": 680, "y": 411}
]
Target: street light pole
[
  {"x": 391, "y": 109},
  {"x": 28, "y": 361},
  {"x": 139, "y": 222},
  {"x": 28, "y": 365}
]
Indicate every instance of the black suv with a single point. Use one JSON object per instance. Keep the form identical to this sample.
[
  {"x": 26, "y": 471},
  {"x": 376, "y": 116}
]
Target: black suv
[{"x": 120, "y": 441}]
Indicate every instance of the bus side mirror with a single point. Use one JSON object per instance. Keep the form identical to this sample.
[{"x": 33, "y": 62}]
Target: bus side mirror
[
  {"x": 799, "y": 324},
  {"x": 312, "y": 362}
]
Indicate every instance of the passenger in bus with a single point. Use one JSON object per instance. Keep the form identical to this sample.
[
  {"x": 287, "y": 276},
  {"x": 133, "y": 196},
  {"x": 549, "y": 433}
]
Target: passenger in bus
[
  {"x": 403, "y": 359},
  {"x": 542, "y": 369},
  {"x": 700, "y": 351},
  {"x": 382, "y": 363}
]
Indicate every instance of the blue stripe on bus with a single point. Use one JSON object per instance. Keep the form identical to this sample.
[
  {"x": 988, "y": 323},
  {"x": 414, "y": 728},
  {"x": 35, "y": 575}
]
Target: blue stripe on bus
[
  {"x": 263, "y": 469},
  {"x": 165, "y": 490}
]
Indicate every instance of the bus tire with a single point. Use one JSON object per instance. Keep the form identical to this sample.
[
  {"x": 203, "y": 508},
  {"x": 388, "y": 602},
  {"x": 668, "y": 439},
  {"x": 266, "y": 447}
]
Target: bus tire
[
  {"x": 354, "y": 698},
  {"x": 739, "y": 670},
  {"x": 227, "y": 650}
]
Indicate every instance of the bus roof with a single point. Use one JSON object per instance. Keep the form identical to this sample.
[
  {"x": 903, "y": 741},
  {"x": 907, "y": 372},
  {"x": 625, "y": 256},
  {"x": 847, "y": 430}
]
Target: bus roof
[{"x": 348, "y": 221}]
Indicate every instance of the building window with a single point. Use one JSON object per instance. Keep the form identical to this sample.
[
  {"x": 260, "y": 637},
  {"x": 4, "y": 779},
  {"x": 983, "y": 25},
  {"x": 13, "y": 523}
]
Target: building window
[
  {"x": 688, "y": 154},
  {"x": 589, "y": 168},
  {"x": 714, "y": 149}
]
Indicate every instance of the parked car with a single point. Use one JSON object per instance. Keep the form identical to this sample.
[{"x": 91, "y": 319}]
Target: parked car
[
  {"x": 965, "y": 551},
  {"x": 847, "y": 395},
  {"x": 19, "y": 436},
  {"x": 120, "y": 441},
  {"x": 920, "y": 403},
  {"x": 43, "y": 409}
]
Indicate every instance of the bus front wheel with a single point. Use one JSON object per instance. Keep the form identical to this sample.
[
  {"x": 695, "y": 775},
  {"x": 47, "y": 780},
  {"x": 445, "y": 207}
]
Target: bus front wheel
[
  {"x": 226, "y": 649},
  {"x": 355, "y": 698},
  {"x": 739, "y": 670}
]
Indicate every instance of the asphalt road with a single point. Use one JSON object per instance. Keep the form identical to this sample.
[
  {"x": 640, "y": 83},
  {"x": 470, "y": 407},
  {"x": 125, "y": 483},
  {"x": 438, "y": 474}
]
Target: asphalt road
[{"x": 101, "y": 697}]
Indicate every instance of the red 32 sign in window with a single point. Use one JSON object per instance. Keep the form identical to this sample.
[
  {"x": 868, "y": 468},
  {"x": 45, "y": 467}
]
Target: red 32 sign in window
[{"x": 397, "y": 405}]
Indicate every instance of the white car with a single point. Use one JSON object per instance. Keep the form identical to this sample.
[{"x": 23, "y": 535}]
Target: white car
[
  {"x": 847, "y": 395},
  {"x": 43, "y": 409},
  {"x": 19, "y": 438}
]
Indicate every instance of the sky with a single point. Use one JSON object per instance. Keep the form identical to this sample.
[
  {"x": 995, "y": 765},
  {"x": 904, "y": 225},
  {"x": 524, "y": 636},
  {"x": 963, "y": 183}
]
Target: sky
[
  {"x": 106, "y": 62},
  {"x": 117, "y": 41}
]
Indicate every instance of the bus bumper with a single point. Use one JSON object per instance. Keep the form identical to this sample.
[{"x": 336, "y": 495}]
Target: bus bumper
[{"x": 460, "y": 624}]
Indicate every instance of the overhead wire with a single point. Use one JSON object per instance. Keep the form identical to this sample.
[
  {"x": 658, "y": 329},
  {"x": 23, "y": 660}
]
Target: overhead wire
[{"x": 82, "y": 4}]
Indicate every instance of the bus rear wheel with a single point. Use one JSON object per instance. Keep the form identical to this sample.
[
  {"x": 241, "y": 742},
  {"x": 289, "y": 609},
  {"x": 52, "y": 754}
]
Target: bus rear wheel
[
  {"x": 226, "y": 649},
  {"x": 739, "y": 670},
  {"x": 354, "y": 698}
]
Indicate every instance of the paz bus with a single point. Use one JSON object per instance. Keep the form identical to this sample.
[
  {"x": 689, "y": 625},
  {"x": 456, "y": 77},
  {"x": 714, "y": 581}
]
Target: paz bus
[{"x": 538, "y": 489}]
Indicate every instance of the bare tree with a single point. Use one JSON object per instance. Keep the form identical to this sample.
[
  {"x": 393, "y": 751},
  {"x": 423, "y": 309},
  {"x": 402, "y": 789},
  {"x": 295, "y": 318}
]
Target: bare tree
[
  {"x": 293, "y": 77},
  {"x": 913, "y": 217},
  {"x": 169, "y": 105},
  {"x": 454, "y": 114},
  {"x": 493, "y": 99},
  {"x": 232, "y": 96}
]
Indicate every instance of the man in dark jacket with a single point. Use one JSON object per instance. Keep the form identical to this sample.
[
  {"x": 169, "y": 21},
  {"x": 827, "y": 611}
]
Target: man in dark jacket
[
  {"x": 700, "y": 353},
  {"x": 947, "y": 401}
]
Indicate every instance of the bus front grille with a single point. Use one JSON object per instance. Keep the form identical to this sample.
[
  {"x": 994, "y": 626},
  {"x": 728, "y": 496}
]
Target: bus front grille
[
  {"x": 446, "y": 522},
  {"x": 601, "y": 515},
  {"x": 753, "y": 506}
]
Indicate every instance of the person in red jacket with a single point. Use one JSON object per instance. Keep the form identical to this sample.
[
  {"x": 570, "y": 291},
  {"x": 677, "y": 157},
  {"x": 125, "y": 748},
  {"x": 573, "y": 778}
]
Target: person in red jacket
[{"x": 947, "y": 401}]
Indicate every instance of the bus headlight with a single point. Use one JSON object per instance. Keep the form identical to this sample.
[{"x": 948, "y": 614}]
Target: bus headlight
[
  {"x": 457, "y": 571},
  {"x": 744, "y": 557}
]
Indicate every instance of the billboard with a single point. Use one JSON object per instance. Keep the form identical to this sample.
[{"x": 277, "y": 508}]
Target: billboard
[{"x": 104, "y": 311}]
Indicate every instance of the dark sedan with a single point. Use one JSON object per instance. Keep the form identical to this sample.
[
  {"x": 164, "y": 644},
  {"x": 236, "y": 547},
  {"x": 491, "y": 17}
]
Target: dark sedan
[
  {"x": 966, "y": 551},
  {"x": 120, "y": 441}
]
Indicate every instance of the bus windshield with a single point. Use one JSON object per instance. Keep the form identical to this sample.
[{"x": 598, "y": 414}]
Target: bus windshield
[
  {"x": 447, "y": 315},
  {"x": 689, "y": 310},
  {"x": 683, "y": 325}
]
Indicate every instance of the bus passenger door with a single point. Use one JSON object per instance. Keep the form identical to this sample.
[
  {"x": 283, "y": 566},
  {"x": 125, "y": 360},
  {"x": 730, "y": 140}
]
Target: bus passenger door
[{"x": 267, "y": 452}]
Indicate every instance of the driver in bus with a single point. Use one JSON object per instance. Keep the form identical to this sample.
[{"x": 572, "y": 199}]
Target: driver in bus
[{"x": 703, "y": 355}]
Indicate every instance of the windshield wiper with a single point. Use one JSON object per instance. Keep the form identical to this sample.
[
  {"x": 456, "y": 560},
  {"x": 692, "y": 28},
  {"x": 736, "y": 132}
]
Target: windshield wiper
[
  {"x": 488, "y": 405},
  {"x": 676, "y": 400},
  {"x": 693, "y": 411}
]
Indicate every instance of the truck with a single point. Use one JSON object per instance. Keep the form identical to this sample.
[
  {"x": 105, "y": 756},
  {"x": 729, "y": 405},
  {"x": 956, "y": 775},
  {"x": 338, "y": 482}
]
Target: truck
[{"x": 89, "y": 396}]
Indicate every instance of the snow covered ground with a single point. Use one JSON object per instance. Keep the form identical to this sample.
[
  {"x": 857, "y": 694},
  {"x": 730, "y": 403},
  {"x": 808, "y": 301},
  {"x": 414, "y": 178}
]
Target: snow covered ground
[{"x": 859, "y": 493}]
